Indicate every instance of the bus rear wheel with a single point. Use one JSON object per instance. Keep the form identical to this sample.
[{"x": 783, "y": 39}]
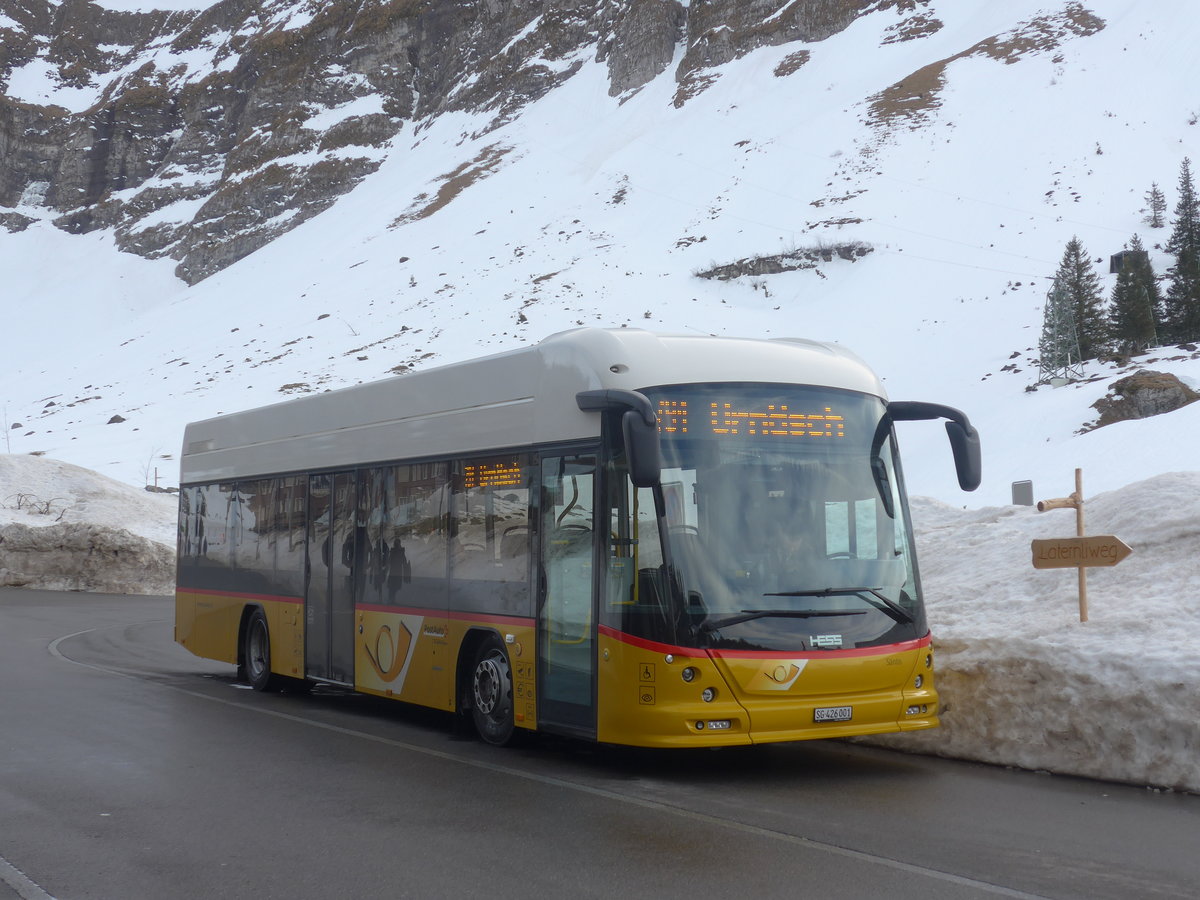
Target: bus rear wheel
[
  {"x": 256, "y": 652},
  {"x": 491, "y": 694}
]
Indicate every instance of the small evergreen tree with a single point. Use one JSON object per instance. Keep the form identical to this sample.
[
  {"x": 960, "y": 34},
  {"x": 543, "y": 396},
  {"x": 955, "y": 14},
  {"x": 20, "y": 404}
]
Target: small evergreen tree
[
  {"x": 1182, "y": 306},
  {"x": 1077, "y": 277},
  {"x": 1135, "y": 309},
  {"x": 1156, "y": 207}
]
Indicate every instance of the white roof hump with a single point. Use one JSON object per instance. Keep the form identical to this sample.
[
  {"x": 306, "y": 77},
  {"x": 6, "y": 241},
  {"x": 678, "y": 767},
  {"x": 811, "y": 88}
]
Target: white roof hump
[{"x": 517, "y": 398}]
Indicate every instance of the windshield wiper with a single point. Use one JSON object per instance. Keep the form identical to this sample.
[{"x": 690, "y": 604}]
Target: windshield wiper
[
  {"x": 710, "y": 625},
  {"x": 891, "y": 607}
]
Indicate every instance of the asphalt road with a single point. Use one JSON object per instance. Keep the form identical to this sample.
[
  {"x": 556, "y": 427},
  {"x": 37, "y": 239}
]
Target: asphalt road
[{"x": 130, "y": 769}]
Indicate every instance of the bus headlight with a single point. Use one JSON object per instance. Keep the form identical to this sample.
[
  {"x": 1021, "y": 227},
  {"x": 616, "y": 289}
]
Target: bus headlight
[
  {"x": 689, "y": 674},
  {"x": 708, "y": 695},
  {"x": 918, "y": 681}
]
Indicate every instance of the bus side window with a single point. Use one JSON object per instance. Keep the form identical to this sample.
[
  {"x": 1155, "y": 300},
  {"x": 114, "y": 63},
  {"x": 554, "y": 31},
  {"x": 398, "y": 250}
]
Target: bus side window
[
  {"x": 490, "y": 545},
  {"x": 416, "y": 530}
]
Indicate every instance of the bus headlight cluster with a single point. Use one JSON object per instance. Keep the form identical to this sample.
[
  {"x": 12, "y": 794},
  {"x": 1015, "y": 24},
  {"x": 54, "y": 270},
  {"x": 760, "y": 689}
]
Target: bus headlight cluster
[{"x": 915, "y": 710}]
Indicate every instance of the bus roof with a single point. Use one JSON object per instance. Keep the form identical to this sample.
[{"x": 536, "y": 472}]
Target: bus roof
[{"x": 518, "y": 398}]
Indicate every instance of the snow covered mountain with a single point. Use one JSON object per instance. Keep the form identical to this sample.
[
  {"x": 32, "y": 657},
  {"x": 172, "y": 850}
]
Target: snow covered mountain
[{"x": 211, "y": 206}]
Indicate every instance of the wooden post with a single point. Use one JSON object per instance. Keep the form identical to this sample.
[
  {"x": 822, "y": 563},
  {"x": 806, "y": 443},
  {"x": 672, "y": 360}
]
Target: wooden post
[
  {"x": 1080, "y": 551},
  {"x": 1075, "y": 501},
  {"x": 1078, "y": 498}
]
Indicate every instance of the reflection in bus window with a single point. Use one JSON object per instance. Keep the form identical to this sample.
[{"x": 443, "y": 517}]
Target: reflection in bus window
[
  {"x": 403, "y": 512},
  {"x": 489, "y": 561}
]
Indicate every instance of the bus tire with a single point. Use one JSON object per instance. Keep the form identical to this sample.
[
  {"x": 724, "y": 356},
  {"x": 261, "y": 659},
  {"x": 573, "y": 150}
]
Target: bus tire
[
  {"x": 491, "y": 694},
  {"x": 256, "y": 652}
]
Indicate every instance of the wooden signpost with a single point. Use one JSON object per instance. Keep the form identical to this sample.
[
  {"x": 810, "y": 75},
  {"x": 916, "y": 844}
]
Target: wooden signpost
[
  {"x": 1080, "y": 551},
  {"x": 1062, "y": 553}
]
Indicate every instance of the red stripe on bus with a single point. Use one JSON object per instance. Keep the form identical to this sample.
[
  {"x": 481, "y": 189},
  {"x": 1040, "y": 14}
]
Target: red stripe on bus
[
  {"x": 267, "y": 598},
  {"x": 491, "y": 619},
  {"x": 457, "y": 615},
  {"x": 642, "y": 643},
  {"x": 881, "y": 650}
]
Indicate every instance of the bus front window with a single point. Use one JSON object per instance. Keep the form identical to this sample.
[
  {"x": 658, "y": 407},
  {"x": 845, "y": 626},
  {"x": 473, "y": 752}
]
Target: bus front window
[{"x": 785, "y": 522}]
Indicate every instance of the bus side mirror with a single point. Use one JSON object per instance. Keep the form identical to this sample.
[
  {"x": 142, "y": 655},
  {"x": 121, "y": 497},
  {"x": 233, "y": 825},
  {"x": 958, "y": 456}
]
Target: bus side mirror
[
  {"x": 641, "y": 449},
  {"x": 964, "y": 439},
  {"x": 968, "y": 462},
  {"x": 639, "y": 427}
]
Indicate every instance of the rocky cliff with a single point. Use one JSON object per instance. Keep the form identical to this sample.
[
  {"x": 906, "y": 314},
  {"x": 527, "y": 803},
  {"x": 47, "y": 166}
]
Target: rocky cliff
[{"x": 202, "y": 135}]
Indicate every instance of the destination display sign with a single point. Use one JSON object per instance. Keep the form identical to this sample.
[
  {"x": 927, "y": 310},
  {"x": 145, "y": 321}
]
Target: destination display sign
[
  {"x": 492, "y": 473},
  {"x": 734, "y": 419},
  {"x": 1064, "y": 553}
]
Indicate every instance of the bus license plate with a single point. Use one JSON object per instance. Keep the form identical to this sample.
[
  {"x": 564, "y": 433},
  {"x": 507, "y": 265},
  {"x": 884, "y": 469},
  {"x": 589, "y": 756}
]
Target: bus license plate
[{"x": 833, "y": 713}]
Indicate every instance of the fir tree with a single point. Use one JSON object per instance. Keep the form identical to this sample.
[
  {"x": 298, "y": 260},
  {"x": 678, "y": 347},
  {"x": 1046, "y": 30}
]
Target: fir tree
[
  {"x": 1078, "y": 279},
  {"x": 1134, "y": 313},
  {"x": 1156, "y": 205},
  {"x": 1182, "y": 306}
]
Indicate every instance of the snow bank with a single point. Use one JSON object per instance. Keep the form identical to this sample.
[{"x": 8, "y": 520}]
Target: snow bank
[
  {"x": 84, "y": 557},
  {"x": 37, "y": 491},
  {"x": 1023, "y": 682},
  {"x": 67, "y": 528}
]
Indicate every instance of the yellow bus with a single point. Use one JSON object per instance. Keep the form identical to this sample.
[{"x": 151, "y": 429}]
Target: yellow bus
[{"x": 640, "y": 539}]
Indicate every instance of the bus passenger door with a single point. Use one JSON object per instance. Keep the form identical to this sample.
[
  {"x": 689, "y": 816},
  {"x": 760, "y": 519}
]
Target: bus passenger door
[
  {"x": 566, "y": 595},
  {"x": 333, "y": 551}
]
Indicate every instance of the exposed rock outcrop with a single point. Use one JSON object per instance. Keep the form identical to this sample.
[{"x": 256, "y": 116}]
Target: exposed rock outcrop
[
  {"x": 720, "y": 31},
  {"x": 791, "y": 261},
  {"x": 1141, "y": 395},
  {"x": 642, "y": 44},
  {"x": 201, "y": 135}
]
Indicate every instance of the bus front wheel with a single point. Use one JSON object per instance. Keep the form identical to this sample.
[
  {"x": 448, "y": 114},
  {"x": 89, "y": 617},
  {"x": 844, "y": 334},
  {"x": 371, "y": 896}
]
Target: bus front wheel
[
  {"x": 256, "y": 652},
  {"x": 491, "y": 694}
]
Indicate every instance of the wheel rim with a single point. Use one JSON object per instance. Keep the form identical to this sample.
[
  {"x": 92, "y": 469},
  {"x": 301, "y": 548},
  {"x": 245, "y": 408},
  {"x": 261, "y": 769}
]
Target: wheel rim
[
  {"x": 492, "y": 686},
  {"x": 256, "y": 651}
]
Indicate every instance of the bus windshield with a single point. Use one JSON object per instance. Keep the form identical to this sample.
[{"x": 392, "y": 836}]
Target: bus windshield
[{"x": 785, "y": 519}]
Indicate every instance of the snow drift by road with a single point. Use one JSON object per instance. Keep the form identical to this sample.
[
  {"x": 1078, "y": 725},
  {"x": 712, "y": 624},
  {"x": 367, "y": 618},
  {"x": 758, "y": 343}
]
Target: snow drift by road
[
  {"x": 84, "y": 557},
  {"x": 1023, "y": 682},
  {"x": 66, "y": 528}
]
